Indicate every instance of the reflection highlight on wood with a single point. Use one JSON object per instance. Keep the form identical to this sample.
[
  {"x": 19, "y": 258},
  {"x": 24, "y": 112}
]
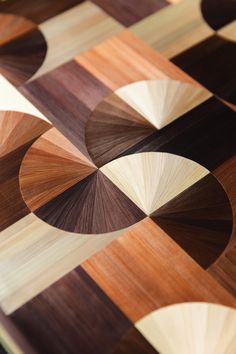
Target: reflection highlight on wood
[
  {"x": 73, "y": 32},
  {"x": 152, "y": 179},
  {"x": 197, "y": 328},
  {"x": 51, "y": 166},
  {"x": 147, "y": 266},
  {"x": 162, "y": 101},
  {"x": 36, "y": 255},
  {"x": 113, "y": 127}
]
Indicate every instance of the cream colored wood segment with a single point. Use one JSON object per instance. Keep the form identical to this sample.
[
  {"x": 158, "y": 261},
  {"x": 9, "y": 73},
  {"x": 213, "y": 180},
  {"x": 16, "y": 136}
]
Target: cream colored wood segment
[
  {"x": 162, "y": 101},
  {"x": 229, "y": 31},
  {"x": 73, "y": 32},
  {"x": 33, "y": 255},
  {"x": 196, "y": 328},
  {"x": 12, "y": 100},
  {"x": 174, "y": 28},
  {"x": 151, "y": 179}
]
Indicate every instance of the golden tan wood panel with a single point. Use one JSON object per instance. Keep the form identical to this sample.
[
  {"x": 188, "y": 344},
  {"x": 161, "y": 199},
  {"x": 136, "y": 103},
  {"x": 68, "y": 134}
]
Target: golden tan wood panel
[
  {"x": 73, "y": 32},
  {"x": 144, "y": 270},
  {"x": 33, "y": 255},
  {"x": 174, "y": 28},
  {"x": 125, "y": 58}
]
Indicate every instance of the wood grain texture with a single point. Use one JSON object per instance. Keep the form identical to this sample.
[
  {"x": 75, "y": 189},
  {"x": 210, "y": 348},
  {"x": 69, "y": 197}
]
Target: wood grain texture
[
  {"x": 191, "y": 328},
  {"x": 73, "y": 32},
  {"x": 152, "y": 179},
  {"x": 58, "y": 95},
  {"x": 12, "y": 27},
  {"x": 93, "y": 206},
  {"x": 128, "y": 12},
  {"x": 133, "y": 342},
  {"x": 204, "y": 62},
  {"x": 129, "y": 59},
  {"x": 112, "y": 128},
  {"x": 224, "y": 270},
  {"x": 188, "y": 136},
  {"x": 37, "y": 12},
  {"x": 76, "y": 312},
  {"x": 162, "y": 101},
  {"x": 51, "y": 166},
  {"x": 22, "y": 57},
  {"x": 199, "y": 220},
  {"x": 145, "y": 265},
  {"x": 17, "y": 132},
  {"x": 174, "y": 29},
  {"x": 36, "y": 255}
]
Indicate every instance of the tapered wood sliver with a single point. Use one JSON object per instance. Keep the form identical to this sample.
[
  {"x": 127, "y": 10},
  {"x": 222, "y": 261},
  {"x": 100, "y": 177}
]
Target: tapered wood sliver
[
  {"x": 152, "y": 179},
  {"x": 113, "y": 127},
  {"x": 93, "y": 206},
  {"x": 228, "y": 32},
  {"x": 12, "y": 27},
  {"x": 197, "y": 328},
  {"x": 17, "y": 133},
  {"x": 162, "y": 101},
  {"x": 147, "y": 266},
  {"x": 199, "y": 220},
  {"x": 51, "y": 166},
  {"x": 21, "y": 57}
]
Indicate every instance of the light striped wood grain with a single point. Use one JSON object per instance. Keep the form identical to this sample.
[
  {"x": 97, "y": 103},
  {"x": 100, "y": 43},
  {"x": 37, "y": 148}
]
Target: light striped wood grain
[
  {"x": 33, "y": 255},
  {"x": 12, "y": 100},
  {"x": 151, "y": 179},
  {"x": 174, "y": 29},
  {"x": 50, "y": 166},
  {"x": 129, "y": 59},
  {"x": 162, "y": 101},
  {"x": 196, "y": 328},
  {"x": 74, "y": 31},
  {"x": 144, "y": 270}
]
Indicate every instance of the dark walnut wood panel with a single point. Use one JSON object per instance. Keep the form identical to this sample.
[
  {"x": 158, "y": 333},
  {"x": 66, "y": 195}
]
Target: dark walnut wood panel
[
  {"x": 37, "y": 11},
  {"x": 189, "y": 136},
  {"x": 220, "y": 15},
  {"x": 127, "y": 12},
  {"x": 59, "y": 96},
  {"x": 199, "y": 220},
  {"x": 212, "y": 63},
  {"x": 21, "y": 57},
  {"x": 72, "y": 316}
]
